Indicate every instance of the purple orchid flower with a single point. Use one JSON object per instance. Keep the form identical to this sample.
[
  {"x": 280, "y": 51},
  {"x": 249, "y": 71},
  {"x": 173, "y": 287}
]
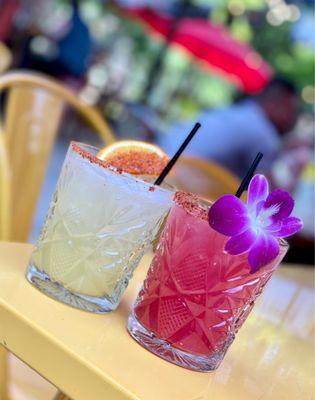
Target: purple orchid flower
[{"x": 256, "y": 226}]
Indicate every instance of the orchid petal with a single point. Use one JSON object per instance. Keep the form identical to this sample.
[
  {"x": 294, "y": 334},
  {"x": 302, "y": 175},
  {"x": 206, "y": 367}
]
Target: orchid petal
[
  {"x": 228, "y": 215},
  {"x": 240, "y": 243},
  {"x": 273, "y": 227},
  {"x": 264, "y": 250},
  {"x": 289, "y": 227},
  {"x": 259, "y": 206},
  {"x": 258, "y": 190},
  {"x": 283, "y": 203}
]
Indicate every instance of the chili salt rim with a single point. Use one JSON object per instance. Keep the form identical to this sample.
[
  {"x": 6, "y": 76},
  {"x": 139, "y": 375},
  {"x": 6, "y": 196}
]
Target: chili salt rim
[
  {"x": 190, "y": 202},
  {"x": 93, "y": 159},
  {"x": 104, "y": 164}
]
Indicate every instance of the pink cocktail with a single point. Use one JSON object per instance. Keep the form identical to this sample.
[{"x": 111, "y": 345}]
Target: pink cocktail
[{"x": 195, "y": 296}]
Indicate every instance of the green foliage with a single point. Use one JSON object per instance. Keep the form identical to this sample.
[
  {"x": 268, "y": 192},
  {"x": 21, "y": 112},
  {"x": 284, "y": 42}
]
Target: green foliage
[
  {"x": 184, "y": 88},
  {"x": 293, "y": 60}
]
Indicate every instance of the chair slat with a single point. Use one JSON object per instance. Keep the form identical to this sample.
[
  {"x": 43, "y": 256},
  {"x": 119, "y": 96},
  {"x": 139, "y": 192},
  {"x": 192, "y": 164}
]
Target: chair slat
[
  {"x": 31, "y": 123},
  {"x": 5, "y": 192}
]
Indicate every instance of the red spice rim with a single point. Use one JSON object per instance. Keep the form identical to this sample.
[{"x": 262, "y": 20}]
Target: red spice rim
[
  {"x": 104, "y": 164},
  {"x": 93, "y": 159},
  {"x": 192, "y": 204}
]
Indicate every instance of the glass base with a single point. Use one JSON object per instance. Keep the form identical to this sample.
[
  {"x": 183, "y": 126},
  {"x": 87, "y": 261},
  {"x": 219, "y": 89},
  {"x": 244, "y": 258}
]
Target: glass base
[
  {"x": 164, "y": 349},
  {"x": 42, "y": 281}
]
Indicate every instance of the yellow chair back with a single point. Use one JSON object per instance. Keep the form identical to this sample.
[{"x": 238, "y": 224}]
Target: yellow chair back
[
  {"x": 34, "y": 106},
  {"x": 205, "y": 178},
  {"x": 5, "y": 192},
  {"x": 5, "y": 57}
]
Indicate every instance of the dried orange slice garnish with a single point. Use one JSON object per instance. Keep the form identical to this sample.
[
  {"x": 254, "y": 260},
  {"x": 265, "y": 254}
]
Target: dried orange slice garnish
[{"x": 135, "y": 157}]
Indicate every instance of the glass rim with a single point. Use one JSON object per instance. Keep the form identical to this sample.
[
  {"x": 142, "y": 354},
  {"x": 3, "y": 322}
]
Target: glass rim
[
  {"x": 203, "y": 202},
  {"x": 88, "y": 152}
]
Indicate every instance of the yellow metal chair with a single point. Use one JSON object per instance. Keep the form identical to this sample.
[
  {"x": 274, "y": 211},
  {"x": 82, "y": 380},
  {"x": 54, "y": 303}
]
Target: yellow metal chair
[
  {"x": 205, "y": 178},
  {"x": 27, "y": 132},
  {"x": 5, "y": 192},
  {"x": 34, "y": 106}
]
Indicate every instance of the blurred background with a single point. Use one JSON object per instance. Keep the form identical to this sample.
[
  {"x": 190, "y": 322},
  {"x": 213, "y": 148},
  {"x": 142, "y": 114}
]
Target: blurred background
[{"x": 244, "y": 68}]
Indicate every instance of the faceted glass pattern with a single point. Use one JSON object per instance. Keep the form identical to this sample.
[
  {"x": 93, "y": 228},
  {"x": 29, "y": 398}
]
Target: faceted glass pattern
[
  {"x": 98, "y": 226},
  {"x": 195, "y": 296}
]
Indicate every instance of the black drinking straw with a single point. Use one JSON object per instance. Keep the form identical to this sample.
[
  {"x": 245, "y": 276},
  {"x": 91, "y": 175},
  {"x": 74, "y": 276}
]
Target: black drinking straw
[
  {"x": 245, "y": 182},
  {"x": 173, "y": 160}
]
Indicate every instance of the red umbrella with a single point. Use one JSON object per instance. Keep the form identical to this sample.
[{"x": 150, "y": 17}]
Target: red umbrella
[{"x": 212, "y": 45}]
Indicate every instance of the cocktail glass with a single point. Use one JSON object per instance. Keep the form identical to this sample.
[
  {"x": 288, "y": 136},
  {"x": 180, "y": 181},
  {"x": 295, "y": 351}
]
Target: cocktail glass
[
  {"x": 99, "y": 224},
  {"x": 196, "y": 296}
]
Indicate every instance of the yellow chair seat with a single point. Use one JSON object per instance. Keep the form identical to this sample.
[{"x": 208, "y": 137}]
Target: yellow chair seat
[{"x": 92, "y": 357}]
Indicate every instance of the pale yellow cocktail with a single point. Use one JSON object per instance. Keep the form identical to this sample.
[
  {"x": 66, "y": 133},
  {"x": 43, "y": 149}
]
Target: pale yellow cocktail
[{"x": 98, "y": 226}]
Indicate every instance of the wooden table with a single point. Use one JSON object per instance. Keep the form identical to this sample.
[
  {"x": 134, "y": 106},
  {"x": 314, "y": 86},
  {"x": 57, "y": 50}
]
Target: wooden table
[{"x": 91, "y": 357}]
